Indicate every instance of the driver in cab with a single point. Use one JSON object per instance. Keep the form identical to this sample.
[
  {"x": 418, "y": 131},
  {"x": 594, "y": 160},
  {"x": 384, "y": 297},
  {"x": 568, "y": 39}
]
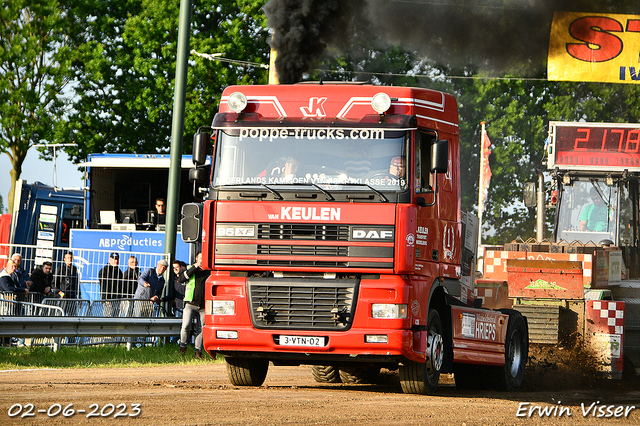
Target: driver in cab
[
  {"x": 398, "y": 167},
  {"x": 594, "y": 216},
  {"x": 290, "y": 169}
]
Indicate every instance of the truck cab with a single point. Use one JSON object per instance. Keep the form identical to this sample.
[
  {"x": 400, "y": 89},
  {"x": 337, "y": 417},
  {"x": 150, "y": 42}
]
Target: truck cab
[{"x": 332, "y": 227}]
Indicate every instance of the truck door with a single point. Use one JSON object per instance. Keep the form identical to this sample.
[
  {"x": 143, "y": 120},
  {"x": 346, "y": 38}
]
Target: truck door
[{"x": 428, "y": 233}]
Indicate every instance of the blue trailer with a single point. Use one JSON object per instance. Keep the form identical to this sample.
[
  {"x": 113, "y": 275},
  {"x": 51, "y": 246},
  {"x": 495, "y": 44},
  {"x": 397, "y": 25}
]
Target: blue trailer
[{"x": 44, "y": 215}]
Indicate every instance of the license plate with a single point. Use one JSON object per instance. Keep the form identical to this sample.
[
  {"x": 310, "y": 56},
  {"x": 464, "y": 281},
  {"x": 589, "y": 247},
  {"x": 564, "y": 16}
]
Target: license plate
[{"x": 302, "y": 341}]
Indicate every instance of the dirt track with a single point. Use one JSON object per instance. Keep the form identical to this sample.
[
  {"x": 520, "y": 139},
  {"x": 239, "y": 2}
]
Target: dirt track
[{"x": 201, "y": 394}]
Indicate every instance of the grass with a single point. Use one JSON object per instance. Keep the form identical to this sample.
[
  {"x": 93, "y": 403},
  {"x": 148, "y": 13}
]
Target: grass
[{"x": 107, "y": 356}]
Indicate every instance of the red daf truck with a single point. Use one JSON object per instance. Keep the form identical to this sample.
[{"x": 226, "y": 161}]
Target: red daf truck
[{"x": 333, "y": 229}]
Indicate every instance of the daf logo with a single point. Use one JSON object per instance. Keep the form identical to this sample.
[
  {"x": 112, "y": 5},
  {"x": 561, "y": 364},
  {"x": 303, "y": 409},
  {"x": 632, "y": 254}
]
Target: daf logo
[{"x": 372, "y": 234}]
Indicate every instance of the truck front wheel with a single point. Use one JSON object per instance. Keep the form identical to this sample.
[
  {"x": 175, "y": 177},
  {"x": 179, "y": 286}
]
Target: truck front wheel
[
  {"x": 516, "y": 347},
  {"x": 418, "y": 378},
  {"x": 246, "y": 371}
]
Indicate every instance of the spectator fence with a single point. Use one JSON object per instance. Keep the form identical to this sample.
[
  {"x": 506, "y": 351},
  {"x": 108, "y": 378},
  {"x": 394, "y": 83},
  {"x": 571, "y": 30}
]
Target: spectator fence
[{"x": 93, "y": 301}]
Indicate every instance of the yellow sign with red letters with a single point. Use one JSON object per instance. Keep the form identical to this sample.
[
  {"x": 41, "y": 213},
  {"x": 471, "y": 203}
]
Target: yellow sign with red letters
[{"x": 594, "y": 47}]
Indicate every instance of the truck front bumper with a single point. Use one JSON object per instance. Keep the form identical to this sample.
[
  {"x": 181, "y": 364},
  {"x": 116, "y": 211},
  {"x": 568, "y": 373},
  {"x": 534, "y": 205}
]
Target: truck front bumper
[{"x": 313, "y": 345}]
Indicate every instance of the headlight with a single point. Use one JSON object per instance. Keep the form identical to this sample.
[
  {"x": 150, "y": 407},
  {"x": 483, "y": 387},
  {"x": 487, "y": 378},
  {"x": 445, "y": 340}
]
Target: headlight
[
  {"x": 381, "y": 103},
  {"x": 237, "y": 102},
  {"x": 223, "y": 307},
  {"x": 389, "y": 310}
]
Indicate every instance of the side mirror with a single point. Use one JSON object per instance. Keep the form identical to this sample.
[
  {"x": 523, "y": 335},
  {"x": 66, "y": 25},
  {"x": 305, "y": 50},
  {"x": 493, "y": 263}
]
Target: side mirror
[
  {"x": 529, "y": 194},
  {"x": 440, "y": 156},
  {"x": 200, "y": 145},
  {"x": 199, "y": 174},
  {"x": 198, "y": 177}
]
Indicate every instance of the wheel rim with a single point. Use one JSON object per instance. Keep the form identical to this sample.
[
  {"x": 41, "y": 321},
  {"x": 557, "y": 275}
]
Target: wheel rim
[
  {"x": 435, "y": 352},
  {"x": 515, "y": 353}
]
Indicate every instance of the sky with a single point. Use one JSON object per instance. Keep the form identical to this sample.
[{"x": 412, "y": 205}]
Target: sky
[{"x": 35, "y": 169}]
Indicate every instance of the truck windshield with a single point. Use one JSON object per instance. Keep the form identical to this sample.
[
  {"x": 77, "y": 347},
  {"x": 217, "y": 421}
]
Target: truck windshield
[
  {"x": 588, "y": 212},
  {"x": 320, "y": 156}
]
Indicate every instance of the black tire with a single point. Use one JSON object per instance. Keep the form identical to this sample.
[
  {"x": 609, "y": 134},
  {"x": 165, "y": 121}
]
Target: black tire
[
  {"x": 326, "y": 373},
  {"x": 358, "y": 374},
  {"x": 246, "y": 371},
  {"x": 418, "y": 378},
  {"x": 516, "y": 354}
]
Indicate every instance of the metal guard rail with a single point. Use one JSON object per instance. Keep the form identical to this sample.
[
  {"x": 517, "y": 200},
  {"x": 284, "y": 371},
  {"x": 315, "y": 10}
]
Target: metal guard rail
[{"x": 11, "y": 326}]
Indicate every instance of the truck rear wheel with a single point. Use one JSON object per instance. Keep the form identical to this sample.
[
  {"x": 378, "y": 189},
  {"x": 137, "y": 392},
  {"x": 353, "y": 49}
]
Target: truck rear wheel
[
  {"x": 418, "y": 378},
  {"x": 510, "y": 376},
  {"x": 246, "y": 371},
  {"x": 358, "y": 374},
  {"x": 326, "y": 373}
]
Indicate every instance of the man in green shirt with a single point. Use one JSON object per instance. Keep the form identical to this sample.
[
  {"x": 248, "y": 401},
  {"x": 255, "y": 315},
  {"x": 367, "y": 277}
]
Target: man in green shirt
[{"x": 594, "y": 216}]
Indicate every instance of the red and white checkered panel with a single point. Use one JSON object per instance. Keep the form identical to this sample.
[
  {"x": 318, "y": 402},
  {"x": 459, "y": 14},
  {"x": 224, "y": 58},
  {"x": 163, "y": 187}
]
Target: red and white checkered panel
[
  {"x": 605, "y": 331},
  {"x": 607, "y": 316},
  {"x": 495, "y": 263}
]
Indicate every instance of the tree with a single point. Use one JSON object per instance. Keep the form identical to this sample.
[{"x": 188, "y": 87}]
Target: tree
[
  {"x": 126, "y": 72},
  {"x": 35, "y": 60}
]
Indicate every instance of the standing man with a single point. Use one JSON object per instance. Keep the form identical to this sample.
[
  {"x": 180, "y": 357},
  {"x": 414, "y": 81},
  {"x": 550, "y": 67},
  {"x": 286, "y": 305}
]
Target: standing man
[
  {"x": 195, "y": 277},
  {"x": 20, "y": 275},
  {"x": 110, "y": 277},
  {"x": 151, "y": 284},
  {"x": 131, "y": 275},
  {"x": 66, "y": 278},
  {"x": 179, "y": 288}
]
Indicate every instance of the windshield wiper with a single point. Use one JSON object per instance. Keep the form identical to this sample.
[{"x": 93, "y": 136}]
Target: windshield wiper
[
  {"x": 271, "y": 190},
  {"x": 378, "y": 193},
  {"x": 315, "y": 185}
]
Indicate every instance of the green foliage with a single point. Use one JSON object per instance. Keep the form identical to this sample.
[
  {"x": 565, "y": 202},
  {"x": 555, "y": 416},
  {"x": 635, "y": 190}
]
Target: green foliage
[
  {"x": 116, "y": 61},
  {"x": 35, "y": 61},
  {"x": 95, "y": 357},
  {"x": 126, "y": 71}
]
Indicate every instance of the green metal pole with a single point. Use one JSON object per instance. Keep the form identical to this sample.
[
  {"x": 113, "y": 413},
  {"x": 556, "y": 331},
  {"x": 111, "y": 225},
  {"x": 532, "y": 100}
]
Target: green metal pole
[{"x": 177, "y": 130}]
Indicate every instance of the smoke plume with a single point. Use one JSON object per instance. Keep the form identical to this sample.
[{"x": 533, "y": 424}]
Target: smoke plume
[
  {"x": 497, "y": 36},
  {"x": 304, "y": 28}
]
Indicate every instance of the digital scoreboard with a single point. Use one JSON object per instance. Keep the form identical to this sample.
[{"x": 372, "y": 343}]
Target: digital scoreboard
[{"x": 594, "y": 146}]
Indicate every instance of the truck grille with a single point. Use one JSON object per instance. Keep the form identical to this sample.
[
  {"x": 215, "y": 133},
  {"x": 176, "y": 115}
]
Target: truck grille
[
  {"x": 304, "y": 245},
  {"x": 300, "y": 231},
  {"x": 303, "y": 250},
  {"x": 289, "y": 303}
]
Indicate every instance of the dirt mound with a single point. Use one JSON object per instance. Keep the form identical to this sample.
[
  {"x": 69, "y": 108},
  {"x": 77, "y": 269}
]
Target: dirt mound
[{"x": 553, "y": 367}]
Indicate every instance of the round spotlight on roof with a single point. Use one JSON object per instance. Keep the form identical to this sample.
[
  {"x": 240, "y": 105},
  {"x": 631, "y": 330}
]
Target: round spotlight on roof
[
  {"x": 381, "y": 103},
  {"x": 237, "y": 102}
]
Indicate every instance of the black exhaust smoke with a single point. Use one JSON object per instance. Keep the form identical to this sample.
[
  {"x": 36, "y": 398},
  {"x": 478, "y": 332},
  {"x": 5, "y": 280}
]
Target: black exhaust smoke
[
  {"x": 304, "y": 28},
  {"x": 497, "y": 36}
]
